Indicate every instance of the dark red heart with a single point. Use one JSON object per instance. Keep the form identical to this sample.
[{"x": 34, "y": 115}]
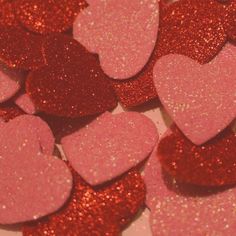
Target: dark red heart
[
  {"x": 211, "y": 164},
  {"x": 72, "y": 84}
]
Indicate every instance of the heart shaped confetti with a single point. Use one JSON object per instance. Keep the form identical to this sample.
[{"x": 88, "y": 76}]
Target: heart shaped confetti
[
  {"x": 194, "y": 28},
  {"x": 201, "y": 99},
  {"x": 127, "y": 28},
  {"x": 211, "y": 164},
  {"x": 89, "y": 212},
  {"x": 70, "y": 88},
  {"x": 24, "y": 102},
  {"x": 180, "y": 209},
  {"x": 9, "y": 83},
  {"x": 110, "y": 146},
  {"x": 49, "y": 15},
  {"x": 20, "y": 49},
  {"x": 34, "y": 184}
]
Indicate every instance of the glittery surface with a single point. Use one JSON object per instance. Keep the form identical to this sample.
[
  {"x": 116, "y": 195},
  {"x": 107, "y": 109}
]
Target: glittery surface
[
  {"x": 122, "y": 32},
  {"x": 210, "y": 164},
  {"x": 72, "y": 88},
  {"x": 20, "y": 49},
  {"x": 110, "y": 145},
  {"x": 190, "y": 27},
  {"x": 90, "y": 212},
  {"x": 34, "y": 185},
  {"x": 48, "y": 15},
  {"x": 7, "y": 14},
  {"x": 180, "y": 209},
  {"x": 9, "y": 112},
  {"x": 201, "y": 99}
]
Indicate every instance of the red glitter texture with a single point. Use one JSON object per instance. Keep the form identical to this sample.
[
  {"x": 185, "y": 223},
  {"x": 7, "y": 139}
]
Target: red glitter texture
[
  {"x": 20, "y": 49},
  {"x": 190, "y": 27},
  {"x": 7, "y": 14},
  {"x": 72, "y": 84},
  {"x": 211, "y": 164},
  {"x": 10, "y": 112},
  {"x": 47, "y": 16},
  {"x": 90, "y": 212}
]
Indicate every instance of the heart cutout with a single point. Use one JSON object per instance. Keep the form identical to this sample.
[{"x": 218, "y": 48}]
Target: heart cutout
[
  {"x": 103, "y": 212},
  {"x": 35, "y": 183},
  {"x": 70, "y": 87},
  {"x": 110, "y": 145},
  {"x": 180, "y": 209},
  {"x": 200, "y": 99},
  {"x": 48, "y": 16},
  {"x": 127, "y": 28},
  {"x": 20, "y": 49},
  {"x": 211, "y": 164}
]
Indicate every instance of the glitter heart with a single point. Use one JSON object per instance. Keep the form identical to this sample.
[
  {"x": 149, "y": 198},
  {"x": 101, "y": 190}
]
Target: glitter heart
[
  {"x": 127, "y": 28},
  {"x": 180, "y": 209},
  {"x": 34, "y": 184},
  {"x": 211, "y": 164},
  {"x": 194, "y": 28},
  {"x": 74, "y": 86},
  {"x": 49, "y": 15},
  {"x": 199, "y": 98},
  {"x": 110, "y": 146},
  {"x": 101, "y": 212},
  {"x": 20, "y": 49},
  {"x": 7, "y": 14}
]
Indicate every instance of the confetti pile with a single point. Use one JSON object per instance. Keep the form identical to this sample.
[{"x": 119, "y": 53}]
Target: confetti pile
[{"x": 72, "y": 166}]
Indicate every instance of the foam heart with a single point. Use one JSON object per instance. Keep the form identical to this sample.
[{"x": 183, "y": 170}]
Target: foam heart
[
  {"x": 48, "y": 16},
  {"x": 25, "y": 103},
  {"x": 9, "y": 83},
  {"x": 211, "y": 164},
  {"x": 126, "y": 28},
  {"x": 72, "y": 84},
  {"x": 34, "y": 184},
  {"x": 104, "y": 212},
  {"x": 201, "y": 99},
  {"x": 110, "y": 145},
  {"x": 179, "y": 209}
]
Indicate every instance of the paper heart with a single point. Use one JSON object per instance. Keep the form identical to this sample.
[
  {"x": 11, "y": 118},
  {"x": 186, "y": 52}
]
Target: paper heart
[
  {"x": 75, "y": 86},
  {"x": 24, "y": 102},
  {"x": 9, "y": 83},
  {"x": 48, "y": 16},
  {"x": 110, "y": 146},
  {"x": 211, "y": 164},
  {"x": 123, "y": 33},
  {"x": 195, "y": 28},
  {"x": 34, "y": 184},
  {"x": 20, "y": 49},
  {"x": 201, "y": 99},
  {"x": 98, "y": 212},
  {"x": 179, "y": 209}
]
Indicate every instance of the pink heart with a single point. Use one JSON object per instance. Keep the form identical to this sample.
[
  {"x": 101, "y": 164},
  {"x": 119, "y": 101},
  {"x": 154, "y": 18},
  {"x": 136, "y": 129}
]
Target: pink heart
[
  {"x": 24, "y": 102},
  {"x": 110, "y": 145},
  {"x": 178, "y": 209},
  {"x": 32, "y": 184},
  {"x": 201, "y": 99},
  {"x": 9, "y": 83},
  {"x": 122, "y": 32}
]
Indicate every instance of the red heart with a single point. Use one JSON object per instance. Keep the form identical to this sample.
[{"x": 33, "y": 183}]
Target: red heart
[
  {"x": 195, "y": 28},
  {"x": 48, "y": 15},
  {"x": 211, "y": 164},
  {"x": 74, "y": 85},
  {"x": 20, "y": 49},
  {"x": 94, "y": 212}
]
